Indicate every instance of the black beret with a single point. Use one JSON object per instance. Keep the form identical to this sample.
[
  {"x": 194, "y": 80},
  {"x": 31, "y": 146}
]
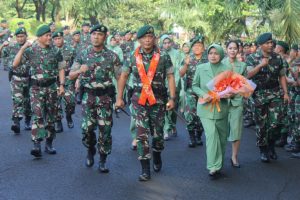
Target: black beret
[
  {"x": 147, "y": 29},
  {"x": 263, "y": 38},
  {"x": 99, "y": 28}
]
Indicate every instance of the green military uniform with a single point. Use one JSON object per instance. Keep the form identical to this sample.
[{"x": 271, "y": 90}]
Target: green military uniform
[
  {"x": 3, "y": 38},
  {"x": 19, "y": 85},
  {"x": 98, "y": 96},
  {"x": 215, "y": 123},
  {"x": 235, "y": 116},
  {"x": 267, "y": 99}
]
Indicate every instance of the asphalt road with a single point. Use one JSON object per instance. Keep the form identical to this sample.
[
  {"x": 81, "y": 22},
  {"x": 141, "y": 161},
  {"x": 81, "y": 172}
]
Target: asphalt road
[{"x": 183, "y": 176}]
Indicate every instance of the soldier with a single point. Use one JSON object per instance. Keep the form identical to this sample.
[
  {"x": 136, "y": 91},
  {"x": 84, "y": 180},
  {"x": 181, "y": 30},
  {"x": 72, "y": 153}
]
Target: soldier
[
  {"x": 52, "y": 27},
  {"x": 67, "y": 35},
  {"x": 149, "y": 68},
  {"x": 85, "y": 38},
  {"x": 46, "y": 64},
  {"x": 19, "y": 82},
  {"x": 96, "y": 67},
  {"x": 5, "y": 35},
  {"x": 21, "y": 24},
  {"x": 69, "y": 54},
  {"x": 188, "y": 70},
  {"x": 171, "y": 117},
  {"x": 267, "y": 70},
  {"x": 76, "y": 41}
]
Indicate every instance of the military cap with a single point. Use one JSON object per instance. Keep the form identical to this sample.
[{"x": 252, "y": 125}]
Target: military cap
[
  {"x": 198, "y": 38},
  {"x": 58, "y": 33},
  {"x": 247, "y": 44},
  {"x": 263, "y": 38},
  {"x": 20, "y": 23},
  {"x": 295, "y": 47},
  {"x": 147, "y": 29},
  {"x": 99, "y": 28},
  {"x": 85, "y": 24},
  {"x": 66, "y": 27},
  {"x": 21, "y": 31},
  {"x": 283, "y": 45},
  {"x": 76, "y": 32},
  {"x": 3, "y": 21},
  {"x": 42, "y": 30}
]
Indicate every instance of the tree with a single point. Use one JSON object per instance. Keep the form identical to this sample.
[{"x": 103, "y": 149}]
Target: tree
[{"x": 40, "y": 9}]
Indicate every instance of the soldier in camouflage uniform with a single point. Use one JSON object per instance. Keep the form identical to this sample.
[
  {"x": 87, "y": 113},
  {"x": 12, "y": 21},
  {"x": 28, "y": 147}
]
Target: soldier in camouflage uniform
[
  {"x": 149, "y": 68},
  {"x": 46, "y": 64},
  {"x": 188, "y": 70},
  {"x": 85, "y": 37},
  {"x": 96, "y": 67},
  {"x": 4, "y": 36},
  {"x": 267, "y": 70},
  {"x": 19, "y": 82},
  {"x": 67, "y": 35},
  {"x": 69, "y": 55},
  {"x": 76, "y": 41}
]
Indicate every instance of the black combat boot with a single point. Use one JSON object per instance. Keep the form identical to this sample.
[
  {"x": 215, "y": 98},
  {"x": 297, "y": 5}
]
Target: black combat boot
[
  {"x": 264, "y": 155},
  {"x": 16, "y": 125},
  {"x": 90, "y": 157},
  {"x": 102, "y": 164},
  {"x": 58, "y": 127},
  {"x": 70, "y": 121},
  {"x": 282, "y": 141},
  {"x": 49, "y": 147},
  {"x": 145, "y": 175},
  {"x": 157, "y": 163},
  {"x": 27, "y": 123},
  {"x": 36, "y": 150},
  {"x": 272, "y": 152},
  {"x": 198, "y": 137},
  {"x": 192, "y": 143}
]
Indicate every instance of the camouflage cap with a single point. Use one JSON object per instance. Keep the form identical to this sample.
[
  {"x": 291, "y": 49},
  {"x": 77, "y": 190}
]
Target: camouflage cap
[
  {"x": 197, "y": 39},
  {"x": 58, "y": 33},
  {"x": 147, "y": 29},
  {"x": 263, "y": 38},
  {"x": 42, "y": 30},
  {"x": 20, "y": 31},
  {"x": 99, "y": 28}
]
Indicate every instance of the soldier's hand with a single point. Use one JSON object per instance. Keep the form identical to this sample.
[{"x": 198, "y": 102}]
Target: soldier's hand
[
  {"x": 286, "y": 98},
  {"x": 6, "y": 43},
  {"x": 264, "y": 62},
  {"x": 170, "y": 104},
  {"x": 77, "y": 85},
  {"x": 187, "y": 60},
  {"x": 26, "y": 45},
  {"x": 119, "y": 103},
  {"x": 84, "y": 68},
  {"x": 61, "y": 90}
]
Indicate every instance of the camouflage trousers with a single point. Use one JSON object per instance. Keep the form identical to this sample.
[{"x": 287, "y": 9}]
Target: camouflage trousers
[
  {"x": 267, "y": 116},
  {"x": 296, "y": 127},
  {"x": 292, "y": 114},
  {"x": 43, "y": 104},
  {"x": 171, "y": 117},
  {"x": 68, "y": 100},
  {"x": 190, "y": 113},
  {"x": 149, "y": 121},
  {"x": 132, "y": 122},
  {"x": 97, "y": 111},
  {"x": 20, "y": 97},
  {"x": 248, "y": 109}
]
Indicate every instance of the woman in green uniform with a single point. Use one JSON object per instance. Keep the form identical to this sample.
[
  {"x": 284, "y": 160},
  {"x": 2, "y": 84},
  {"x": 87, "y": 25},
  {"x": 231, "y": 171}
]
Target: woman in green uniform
[
  {"x": 215, "y": 123},
  {"x": 235, "y": 116}
]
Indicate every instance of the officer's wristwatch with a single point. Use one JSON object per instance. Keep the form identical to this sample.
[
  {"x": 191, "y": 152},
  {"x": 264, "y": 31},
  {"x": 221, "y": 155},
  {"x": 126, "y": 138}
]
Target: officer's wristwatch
[{"x": 172, "y": 98}]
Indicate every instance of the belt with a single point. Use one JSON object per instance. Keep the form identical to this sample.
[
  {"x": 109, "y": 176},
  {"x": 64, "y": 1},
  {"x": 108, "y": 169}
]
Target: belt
[
  {"x": 20, "y": 75},
  {"x": 109, "y": 91},
  {"x": 43, "y": 83}
]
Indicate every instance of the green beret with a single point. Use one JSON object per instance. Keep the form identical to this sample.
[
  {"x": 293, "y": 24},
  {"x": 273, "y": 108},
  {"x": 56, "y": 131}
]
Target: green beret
[
  {"x": 58, "y": 34},
  {"x": 4, "y": 21},
  {"x": 20, "y": 23},
  {"x": 283, "y": 45},
  {"x": 196, "y": 39},
  {"x": 263, "y": 38},
  {"x": 42, "y": 30},
  {"x": 85, "y": 24},
  {"x": 99, "y": 28},
  {"x": 21, "y": 31},
  {"x": 147, "y": 29},
  {"x": 295, "y": 47},
  {"x": 76, "y": 32}
]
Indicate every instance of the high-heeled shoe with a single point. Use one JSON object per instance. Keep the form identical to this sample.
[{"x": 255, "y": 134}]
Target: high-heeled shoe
[{"x": 235, "y": 165}]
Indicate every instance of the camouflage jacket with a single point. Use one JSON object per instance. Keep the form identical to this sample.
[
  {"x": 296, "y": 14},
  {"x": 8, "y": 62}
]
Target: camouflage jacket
[
  {"x": 164, "y": 68},
  {"x": 127, "y": 48},
  {"x": 103, "y": 67},
  {"x": 68, "y": 39},
  {"x": 4, "y": 37},
  {"x": 45, "y": 63},
  {"x": 85, "y": 40},
  {"x": 11, "y": 52},
  {"x": 190, "y": 73},
  {"x": 267, "y": 77},
  {"x": 69, "y": 55}
]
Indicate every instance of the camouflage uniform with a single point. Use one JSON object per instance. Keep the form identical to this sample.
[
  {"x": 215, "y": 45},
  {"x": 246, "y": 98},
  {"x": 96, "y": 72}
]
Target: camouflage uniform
[
  {"x": 5, "y": 58},
  {"x": 267, "y": 97},
  {"x": 85, "y": 41},
  {"x": 99, "y": 92},
  {"x": 45, "y": 64},
  {"x": 19, "y": 83},
  {"x": 68, "y": 39},
  {"x": 150, "y": 119},
  {"x": 193, "y": 121},
  {"x": 69, "y": 55}
]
